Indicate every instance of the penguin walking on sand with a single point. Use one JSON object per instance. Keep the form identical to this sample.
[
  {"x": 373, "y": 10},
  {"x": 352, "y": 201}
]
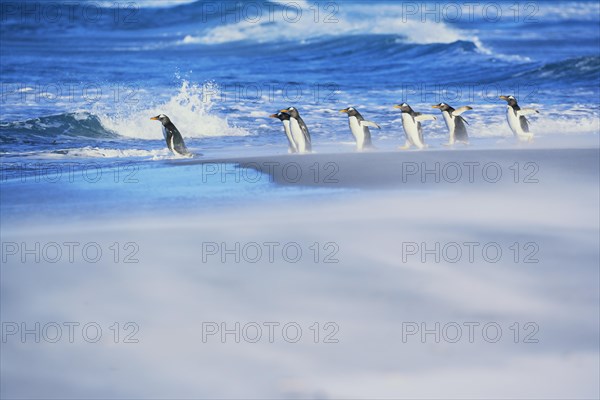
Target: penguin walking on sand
[
  {"x": 457, "y": 125},
  {"x": 411, "y": 122},
  {"x": 516, "y": 119},
  {"x": 300, "y": 132},
  {"x": 172, "y": 136},
  {"x": 360, "y": 128},
  {"x": 285, "y": 120}
]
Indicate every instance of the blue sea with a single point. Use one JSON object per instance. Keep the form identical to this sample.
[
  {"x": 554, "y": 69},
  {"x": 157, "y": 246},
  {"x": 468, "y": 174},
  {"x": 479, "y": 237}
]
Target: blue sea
[{"x": 81, "y": 80}]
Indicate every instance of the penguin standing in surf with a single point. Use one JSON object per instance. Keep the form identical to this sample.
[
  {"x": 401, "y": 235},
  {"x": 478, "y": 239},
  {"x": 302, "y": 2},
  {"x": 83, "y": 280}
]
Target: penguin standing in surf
[
  {"x": 285, "y": 119},
  {"x": 411, "y": 122},
  {"x": 360, "y": 128},
  {"x": 516, "y": 119},
  {"x": 172, "y": 136},
  {"x": 300, "y": 132},
  {"x": 457, "y": 125}
]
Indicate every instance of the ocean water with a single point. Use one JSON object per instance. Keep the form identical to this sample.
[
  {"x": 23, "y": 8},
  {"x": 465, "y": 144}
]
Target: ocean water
[{"x": 82, "y": 81}]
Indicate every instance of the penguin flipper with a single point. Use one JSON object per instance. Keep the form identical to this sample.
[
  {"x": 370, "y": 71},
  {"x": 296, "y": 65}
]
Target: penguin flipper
[
  {"x": 527, "y": 111},
  {"x": 524, "y": 124},
  {"x": 365, "y": 123},
  {"x": 177, "y": 143},
  {"x": 425, "y": 117},
  {"x": 420, "y": 129},
  {"x": 180, "y": 148},
  {"x": 305, "y": 131},
  {"x": 460, "y": 130},
  {"x": 368, "y": 143},
  {"x": 461, "y": 110},
  {"x": 169, "y": 140}
]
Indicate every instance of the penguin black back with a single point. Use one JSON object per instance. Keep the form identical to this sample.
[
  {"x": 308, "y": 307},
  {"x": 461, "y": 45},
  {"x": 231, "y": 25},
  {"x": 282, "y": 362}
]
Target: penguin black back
[{"x": 172, "y": 135}]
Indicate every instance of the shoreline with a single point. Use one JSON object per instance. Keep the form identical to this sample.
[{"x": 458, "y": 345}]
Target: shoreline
[
  {"x": 396, "y": 169},
  {"x": 192, "y": 186}
]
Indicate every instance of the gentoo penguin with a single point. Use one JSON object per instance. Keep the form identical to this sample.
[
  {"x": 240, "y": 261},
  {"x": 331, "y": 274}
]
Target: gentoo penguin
[
  {"x": 411, "y": 121},
  {"x": 172, "y": 136},
  {"x": 360, "y": 128},
  {"x": 299, "y": 130},
  {"x": 454, "y": 122},
  {"x": 285, "y": 119},
  {"x": 516, "y": 119}
]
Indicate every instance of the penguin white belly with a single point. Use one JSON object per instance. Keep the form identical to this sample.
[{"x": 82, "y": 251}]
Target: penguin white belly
[
  {"x": 513, "y": 122},
  {"x": 358, "y": 132},
  {"x": 515, "y": 125},
  {"x": 449, "y": 119},
  {"x": 288, "y": 133},
  {"x": 411, "y": 130},
  {"x": 297, "y": 135}
]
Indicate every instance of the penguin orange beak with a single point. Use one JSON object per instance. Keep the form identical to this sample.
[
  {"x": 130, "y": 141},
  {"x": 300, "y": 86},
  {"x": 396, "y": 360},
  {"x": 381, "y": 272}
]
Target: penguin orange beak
[
  {"x": 154, "y": 118},
  {"x": 435, "y": 106},
  {"x": 273, "y": 116},
  {"x": 284, "y": 111},
  {"x": 504, "y": 98},
  {"x": 397, "y": 106},
  {"x": 345, "y": 110}
]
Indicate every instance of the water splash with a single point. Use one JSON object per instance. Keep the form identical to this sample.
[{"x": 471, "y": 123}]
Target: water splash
[{"x": 190, "y": 109}]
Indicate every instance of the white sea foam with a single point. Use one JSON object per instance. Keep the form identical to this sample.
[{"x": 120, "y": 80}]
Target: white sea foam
[
  {"x": 144, "y": 3},
  {"x": 190, "y": 109},
  {"x": 351, "y": 19},
  {"x": 587, "y": 11},
  {"x": 98, "y": 152}
]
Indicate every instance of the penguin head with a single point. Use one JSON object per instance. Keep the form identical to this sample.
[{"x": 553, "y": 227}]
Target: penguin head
[
  {"x": 442, "y": 107},
  {"x": 162, "y": 118},
  {"x": 292, "y": 112},
  {"x": 404, "y": 107},
  {"x": 351, "y": 111},
  {"x": 280, "y": 116},
  {"x": 511, "y": 100}
]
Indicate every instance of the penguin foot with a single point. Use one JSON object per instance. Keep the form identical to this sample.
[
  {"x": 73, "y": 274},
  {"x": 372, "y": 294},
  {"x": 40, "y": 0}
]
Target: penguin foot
[{"x": 526, "y": 139}]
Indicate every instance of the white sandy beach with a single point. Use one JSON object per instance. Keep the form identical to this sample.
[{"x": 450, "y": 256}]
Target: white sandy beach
[{"x": 181, "y": 288}]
